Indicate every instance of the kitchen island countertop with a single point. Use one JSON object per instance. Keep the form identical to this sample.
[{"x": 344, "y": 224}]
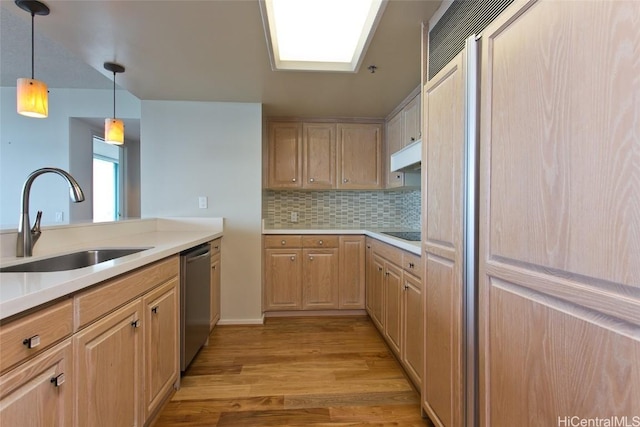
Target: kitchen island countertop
[{"x": 22, "y": 291}]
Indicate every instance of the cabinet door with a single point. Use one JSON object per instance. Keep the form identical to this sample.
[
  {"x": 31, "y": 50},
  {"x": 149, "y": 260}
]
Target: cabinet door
[
  {"x": 359, "y": 156},
  {"x": 412, "y": 335},
  {"x": 285, "y": 155},
  {"x": 107, "y": 355},
  {"x": 559, "y": 277},
  {"x": 377, "y": 292},
  {"x": 443, "y": 393},
  {"x": 320, "y": 279},
  {"x": 394, "y": 139},
  {"x": 392, "y": 302},
  {"x": 411, "y": 114},
  {"x": 283, "y": 279},
  {"x": 369, "y": 277},
  {"x": 39, "y": 392},
  {"x": 352, "y": 272},
  {"x": 319, "y": 155},
  {"x": 215, "y": 290},
  {"x": 161, "y": 351}
]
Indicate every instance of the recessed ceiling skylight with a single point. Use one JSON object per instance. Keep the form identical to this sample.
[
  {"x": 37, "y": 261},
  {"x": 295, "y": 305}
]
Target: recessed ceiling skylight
[{"x": 319, "y": 35}]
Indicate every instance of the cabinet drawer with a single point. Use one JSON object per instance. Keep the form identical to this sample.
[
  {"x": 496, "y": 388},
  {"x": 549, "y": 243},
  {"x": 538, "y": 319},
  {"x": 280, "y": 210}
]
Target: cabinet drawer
[
  {"x": 412, "y": 263},
  {"x": 216, "y": 246},
  {"x": 320, "y": 241},
  {"x": 43, "y": 327},
  {"x": 282, "y": 241},
  {"x": 388, "y": 252},
  {"x": 100, "y": 300}
]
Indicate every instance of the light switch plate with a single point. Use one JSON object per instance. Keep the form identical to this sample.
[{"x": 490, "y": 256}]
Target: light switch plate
[{"x": 202, "y": 202}]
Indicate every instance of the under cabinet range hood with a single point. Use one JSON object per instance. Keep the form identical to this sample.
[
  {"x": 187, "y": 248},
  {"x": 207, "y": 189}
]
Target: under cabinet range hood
[{"x": 408, "y": 159}]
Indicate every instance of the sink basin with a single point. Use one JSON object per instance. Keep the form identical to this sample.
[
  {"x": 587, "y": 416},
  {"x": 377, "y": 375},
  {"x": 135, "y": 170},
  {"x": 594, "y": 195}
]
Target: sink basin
[{"x": 71, "y": 261}]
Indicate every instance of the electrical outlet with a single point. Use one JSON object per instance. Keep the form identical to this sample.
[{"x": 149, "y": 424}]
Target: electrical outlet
[
  {"x": 294, "y": 216},
  {"x": 202, "y": 202},
  {"x": 59, "y": 216}
]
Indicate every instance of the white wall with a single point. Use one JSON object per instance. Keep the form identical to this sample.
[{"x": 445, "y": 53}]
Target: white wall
[
  {"x": 27, "y": 144},
  {"x": 192, "y": 149}
]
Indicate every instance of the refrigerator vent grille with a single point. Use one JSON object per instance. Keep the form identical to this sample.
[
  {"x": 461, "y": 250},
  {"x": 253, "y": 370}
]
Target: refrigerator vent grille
[{"x": 462, "y": 19}]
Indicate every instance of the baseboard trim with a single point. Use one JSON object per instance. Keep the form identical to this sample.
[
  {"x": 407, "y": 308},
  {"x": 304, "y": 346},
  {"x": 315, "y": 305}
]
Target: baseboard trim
[
  {"x": 259, "y": 321},
  {"x": 315, "y": 313}
]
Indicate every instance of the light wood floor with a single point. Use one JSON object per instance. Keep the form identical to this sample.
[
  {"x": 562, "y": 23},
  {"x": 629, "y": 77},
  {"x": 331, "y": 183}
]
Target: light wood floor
[{"x": 295, "y": 372}]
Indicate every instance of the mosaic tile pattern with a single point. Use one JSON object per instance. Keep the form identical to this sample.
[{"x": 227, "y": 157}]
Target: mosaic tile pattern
[{"x": 342, "y": 209}]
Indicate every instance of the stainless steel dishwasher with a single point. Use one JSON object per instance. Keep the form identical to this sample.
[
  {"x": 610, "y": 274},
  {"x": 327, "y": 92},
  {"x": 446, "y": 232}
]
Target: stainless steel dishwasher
[{"x": 195, "y": 300}]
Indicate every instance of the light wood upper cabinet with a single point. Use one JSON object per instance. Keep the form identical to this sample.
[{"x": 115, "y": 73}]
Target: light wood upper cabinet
[
  {"x": 319, "y": 155},
  {"x": 108, "y": 357},
  {"x": 394, "y": 136},
  {"x": 285, "y": 154},
  {"x": 39, "y": 392},
  {"x": 359, "y": 156},
  {"x": 411, "y": 113}
]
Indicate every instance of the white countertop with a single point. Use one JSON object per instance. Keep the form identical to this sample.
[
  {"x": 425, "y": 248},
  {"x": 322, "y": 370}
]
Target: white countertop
[
  {"x": 413, "y": 247},
  {"x": 22, "y": 291}
]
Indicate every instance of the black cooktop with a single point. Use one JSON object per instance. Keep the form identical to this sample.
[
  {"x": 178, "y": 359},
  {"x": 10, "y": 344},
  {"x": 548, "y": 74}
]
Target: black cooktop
[{"x": 413, "y": 236}]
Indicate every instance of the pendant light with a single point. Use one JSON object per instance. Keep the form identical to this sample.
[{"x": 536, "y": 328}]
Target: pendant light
[
  {"x": 32, "y": 95},
  {"x": 114, "y": 128}
]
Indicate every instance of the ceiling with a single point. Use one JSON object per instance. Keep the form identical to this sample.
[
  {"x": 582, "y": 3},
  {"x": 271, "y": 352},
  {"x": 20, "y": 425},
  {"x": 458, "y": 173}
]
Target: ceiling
[{"x": 207, "y": 50}]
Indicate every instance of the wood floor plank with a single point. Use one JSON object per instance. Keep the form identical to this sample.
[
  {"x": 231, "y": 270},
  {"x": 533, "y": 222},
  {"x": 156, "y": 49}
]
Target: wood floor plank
[{"x": 328, "y": 371}]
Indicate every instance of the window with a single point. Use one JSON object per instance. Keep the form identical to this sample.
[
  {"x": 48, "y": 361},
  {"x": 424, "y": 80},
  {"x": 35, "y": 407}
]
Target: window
[{"x": 106, "y": 181}]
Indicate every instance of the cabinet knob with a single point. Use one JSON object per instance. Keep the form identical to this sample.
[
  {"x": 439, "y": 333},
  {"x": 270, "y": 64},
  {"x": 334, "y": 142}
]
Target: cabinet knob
[
  {"x": 379, "y": 268},
  {"x": 214, "y": 267},
  {"x": 293, "y": 258},
  {"x": 216, "y": 247},
  {"x": 154, "y": 310},
  {"x": 411, "y": 265},
  {"x": 310, "y": 258},
  {"x": 32, "y": 342},
  {"x": 320, "y": 242},
  {"x": 386, "y": 273},
  {"x": 345, "y": 180},
  {"x": 397, "y": 176},
  {"x": 284, "y": 242},
  {"x": 406, "y": 287},
  {"x": 135, "y": 324},
  {"x": 311, "y": 180},
  {"x": 413, "y": 139},
  {"x": 293, "y": 180},
  {"x": 368, "y": 246},
  {"x": 58, "y": 380}
]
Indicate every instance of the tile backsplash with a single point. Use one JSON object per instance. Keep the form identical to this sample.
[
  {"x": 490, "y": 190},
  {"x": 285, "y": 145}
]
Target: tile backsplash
[{"x": 342, "y": 209}]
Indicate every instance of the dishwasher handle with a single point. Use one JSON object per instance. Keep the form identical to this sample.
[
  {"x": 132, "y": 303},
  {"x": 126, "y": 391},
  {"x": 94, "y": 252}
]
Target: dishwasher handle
[{"x": 197, "y": 253}]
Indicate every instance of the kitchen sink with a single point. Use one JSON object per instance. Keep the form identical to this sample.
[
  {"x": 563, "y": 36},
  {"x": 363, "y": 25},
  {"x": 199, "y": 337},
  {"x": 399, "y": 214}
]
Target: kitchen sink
[{"x": 71, "y": 261}]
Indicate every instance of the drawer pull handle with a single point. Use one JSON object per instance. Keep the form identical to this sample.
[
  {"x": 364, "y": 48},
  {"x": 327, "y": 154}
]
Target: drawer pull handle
[
  {"x": 32, "y": 342},
  {"x": 284, "y": 242},
  {"x": 135, "y": 323},
  {"x": 58, "y": 380},
  {"x": 320, "y": 242},
  {"x": 154, "y": 310}
]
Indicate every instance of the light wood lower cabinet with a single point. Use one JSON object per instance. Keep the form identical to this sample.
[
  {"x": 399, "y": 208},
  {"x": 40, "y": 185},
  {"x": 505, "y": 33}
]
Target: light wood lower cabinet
[
  {"x": 39, "y": 392},
  {"x": 216, "y": 248},
  {"x": 161, "y": 343},
  {"x": 313, "y": 272},
  {"x": 394, "y": 303},
  {"x": 108, "y": 358}
]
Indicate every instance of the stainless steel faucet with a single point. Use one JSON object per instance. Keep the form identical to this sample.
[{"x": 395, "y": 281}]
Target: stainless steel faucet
[{"x": 28, "y": 238}]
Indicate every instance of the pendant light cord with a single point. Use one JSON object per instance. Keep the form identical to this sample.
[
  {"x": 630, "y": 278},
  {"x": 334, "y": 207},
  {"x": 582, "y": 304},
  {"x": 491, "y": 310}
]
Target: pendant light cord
[
  {"x": 32, "y": 44},
  {"x": 114, "y": 95}
]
